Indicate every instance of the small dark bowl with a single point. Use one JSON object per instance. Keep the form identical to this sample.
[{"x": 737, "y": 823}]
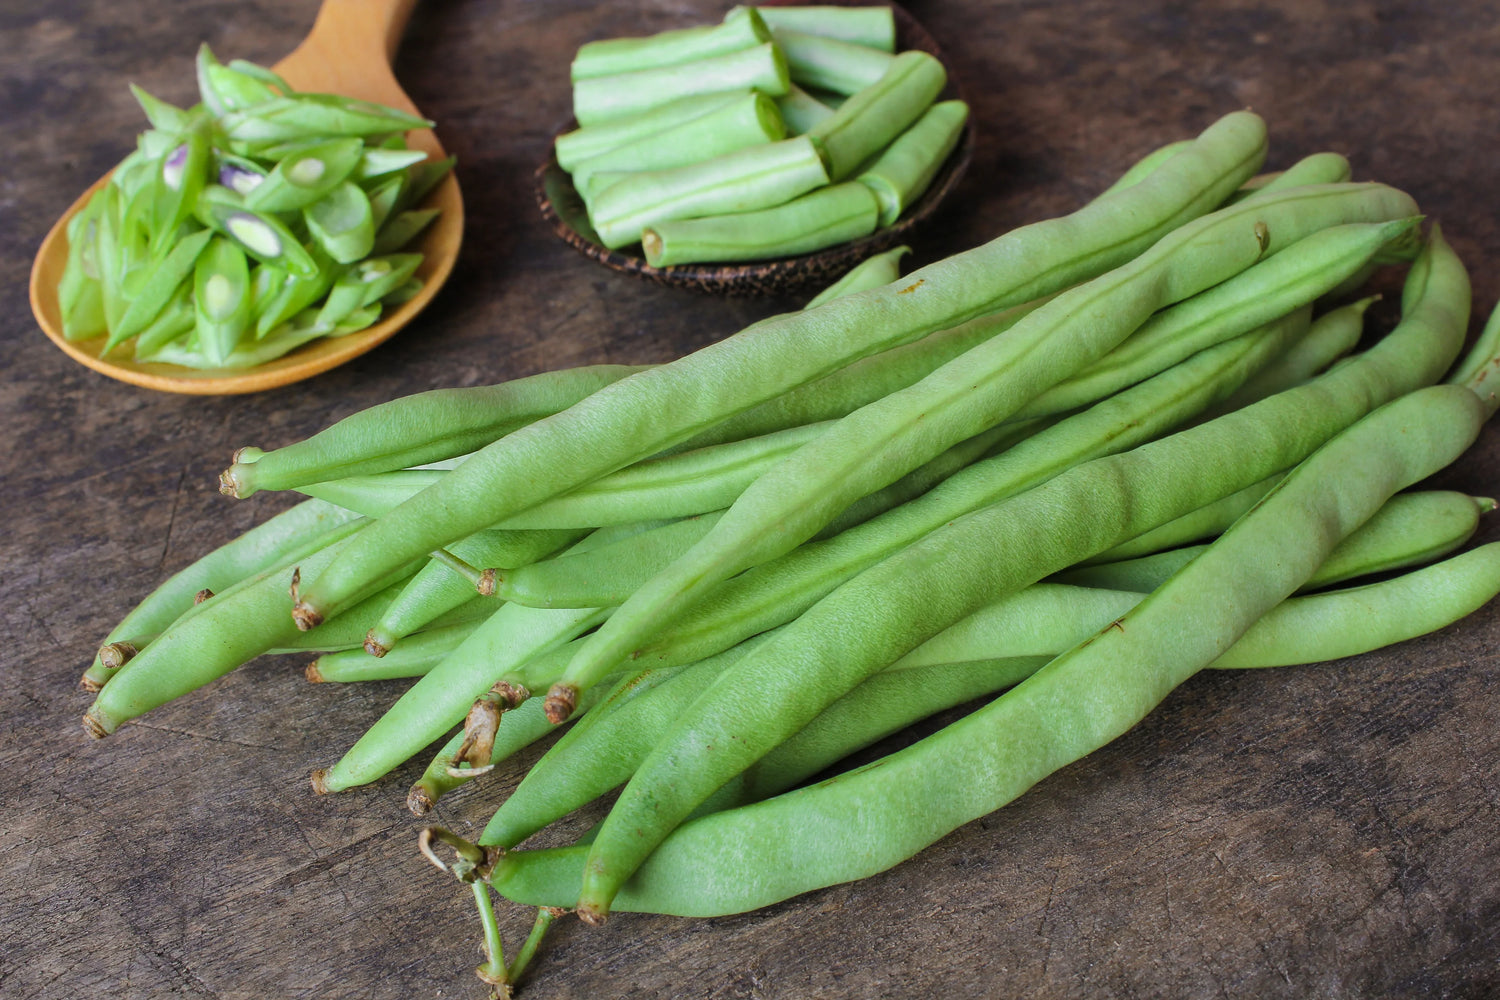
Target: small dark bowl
[{"x": 563, "y": 209}]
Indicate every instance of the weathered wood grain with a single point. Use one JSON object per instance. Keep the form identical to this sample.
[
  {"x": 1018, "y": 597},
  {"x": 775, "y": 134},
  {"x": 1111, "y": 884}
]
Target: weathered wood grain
[{"x": 1314, "y": 832}]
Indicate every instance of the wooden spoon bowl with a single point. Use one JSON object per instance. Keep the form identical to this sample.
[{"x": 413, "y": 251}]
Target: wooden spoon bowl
[{"x": 348, "y": 52}]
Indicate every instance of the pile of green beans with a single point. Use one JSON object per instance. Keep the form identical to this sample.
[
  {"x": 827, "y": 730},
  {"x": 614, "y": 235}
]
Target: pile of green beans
[
  {"x": 780, "y": 131},
  {"x": 1058, "y": 474},
  {"x": 249, "y": 224}
]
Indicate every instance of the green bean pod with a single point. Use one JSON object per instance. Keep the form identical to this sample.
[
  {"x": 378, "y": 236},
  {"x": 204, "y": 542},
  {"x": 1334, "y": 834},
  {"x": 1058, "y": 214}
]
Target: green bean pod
[
  {"x": 874, "y": 26},
  {"x": 864, "y": 381},
  {"x": 748, "y": 179},
  {"x": 821, "y": 218},
  {"x": 261, "y": 547},
  {"x": 869, "y": 120},
  {"x": 213, "y": 637},
  {"x": 872, "y": 272},
  {"x": 829, "y": 64},
  {"x": 683, "y": 484},
  {"x": 1319, "y": 168},
  {"x": 749, "y": 119},
  {"x": 690, "y": 876},
  {"x": 602, "y": 99},
  {"x": 1410, "y": 530},
  {"x": 878, "y": 616},
  {"x": 436, "y": 589},
  {"x": 668, "y": 48},
  {"x": 1295, "y": 277},
  {"x": 880, "y": 442},
  {"x": 415, "y": 430},
  {"x": 644, "y": 414},
  {"x": 1331, "y": 336},
  {"x": 1146, "y": 165},
  {"x": 902, "y": 172},
  {"x": 778, "y": 591},
  {"x": 604, "y": 749},
  {"x": 417, "y": 655}
]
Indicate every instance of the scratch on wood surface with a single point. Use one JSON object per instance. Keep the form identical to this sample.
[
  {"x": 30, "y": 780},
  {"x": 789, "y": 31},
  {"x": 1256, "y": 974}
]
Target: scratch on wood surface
[
  {"x": 209, "y": 737},
  {"x": 166, "y": 542}
]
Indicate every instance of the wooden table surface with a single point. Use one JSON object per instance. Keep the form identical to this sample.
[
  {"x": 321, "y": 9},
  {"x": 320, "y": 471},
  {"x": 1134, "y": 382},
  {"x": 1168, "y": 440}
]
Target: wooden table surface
[{"x": 1326, "y": 831}]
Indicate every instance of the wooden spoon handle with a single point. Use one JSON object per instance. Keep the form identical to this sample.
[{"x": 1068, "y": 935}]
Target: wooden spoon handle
[{"x": 350, "y": 49}]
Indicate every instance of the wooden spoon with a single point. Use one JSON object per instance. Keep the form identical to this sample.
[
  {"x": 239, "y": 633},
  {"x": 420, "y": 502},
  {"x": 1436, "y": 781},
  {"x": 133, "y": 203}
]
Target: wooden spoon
[{"x": 348, "y": 52}]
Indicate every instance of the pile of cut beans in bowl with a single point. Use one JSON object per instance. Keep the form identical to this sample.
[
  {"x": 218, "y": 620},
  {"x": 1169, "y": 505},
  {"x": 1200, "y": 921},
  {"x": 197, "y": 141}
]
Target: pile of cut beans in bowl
[{"x": 718, "y": 577}]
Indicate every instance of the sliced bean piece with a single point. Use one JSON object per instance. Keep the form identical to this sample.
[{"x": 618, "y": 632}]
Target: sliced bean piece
[
  {"x": 165, "y": 280},
  {"x": 604, "y": 98},
  {"x": 573, "y": 148},
  {"x": 801, "y": 111},
  {"x": 871, "y": 118},
  {"x": 748, "y": 179},
  {"x": 401, "y": 228},
  {"x": 824, "y": 63},
  {"x": 221, "y": 295},
  {"x": 900, "y": 175},
  {"x": 750, "y": 119},
  {"x": 343, "y": 224},
  {"x": 821, "y": 218},
  {"x": 307, "y": 175},
  {"x": 873, "y": 26},
  {"x": 668, "y": 48}
]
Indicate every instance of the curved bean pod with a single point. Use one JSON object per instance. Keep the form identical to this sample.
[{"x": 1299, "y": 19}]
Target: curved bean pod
[
  {"x": 652, "y": 410},
  {"x": 689, "y": 875},
  {"x": 214, "y": 637},
  {"x": 1331, "y": 336},
  {"x": 419, "y": 654},
  {"x": 887, "y": 610},
  {"x": 777, "y": 591},
  {"x": 436, "y": 590},
  {"x": 415, "y": 430},
  {"x": 881, "y": 441},
  {"x": 248, "y": 554}
]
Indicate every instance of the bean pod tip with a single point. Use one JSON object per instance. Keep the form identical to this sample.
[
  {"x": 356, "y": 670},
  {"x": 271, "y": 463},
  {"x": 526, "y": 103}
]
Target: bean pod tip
[{"x": 561, "y": 700}]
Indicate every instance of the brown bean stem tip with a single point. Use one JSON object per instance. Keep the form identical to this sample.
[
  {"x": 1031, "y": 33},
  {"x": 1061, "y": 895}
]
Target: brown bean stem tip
[
  {"x": 419, "y": 800},
  {"x": 561, "y": 700},
  {"x": 305, "y": 616},
  {"x": 488, "y": 583},
  {"x": 314, "y": 675},
  {"x": 374, "y": 646},
  {"x": 90, "y": 684},
  {"x": 592, "y": 916},
  {"x": 319, "y": 781},
  {"x": 96, "y": 726}
]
